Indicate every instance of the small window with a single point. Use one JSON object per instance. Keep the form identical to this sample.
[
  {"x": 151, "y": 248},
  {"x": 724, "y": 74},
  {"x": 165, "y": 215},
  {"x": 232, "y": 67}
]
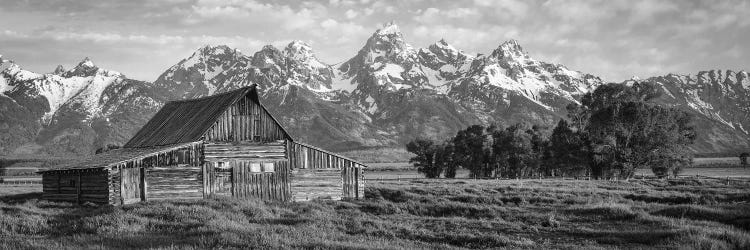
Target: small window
[
  {"x": 268, "y": 167},
  {"x": 264, "y": 167},
  {"x": 255, "y": 167}
]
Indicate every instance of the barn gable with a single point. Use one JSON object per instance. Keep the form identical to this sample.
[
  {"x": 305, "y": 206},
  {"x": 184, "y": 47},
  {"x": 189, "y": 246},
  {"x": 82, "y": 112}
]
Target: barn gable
[
  {"x": 246, "y": 120},
  {"x": 214, "y": 117}
]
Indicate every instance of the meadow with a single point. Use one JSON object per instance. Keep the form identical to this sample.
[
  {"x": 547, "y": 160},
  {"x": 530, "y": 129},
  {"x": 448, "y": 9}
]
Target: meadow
[{"x": 685, "y": 213}]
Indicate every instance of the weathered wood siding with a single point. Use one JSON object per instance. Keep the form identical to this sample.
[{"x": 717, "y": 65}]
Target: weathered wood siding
[
  {"x": 261, "y": 185},
  {"x": 227, "y": 152},
  {"x": 173, "y": 174},
  {"x": 233, "y": 169},
  {"x": 174, "y": 181},
  {"x": 76, "y": 186},
  {"x": 245, "y": 120},
  {"x": 218, "y": 181},
  {"x": 353, "y": 181},
  {"x": 317, "y": 173},
  {"x": 319, "y": 183},
  {"x": 132, "y": 185}
]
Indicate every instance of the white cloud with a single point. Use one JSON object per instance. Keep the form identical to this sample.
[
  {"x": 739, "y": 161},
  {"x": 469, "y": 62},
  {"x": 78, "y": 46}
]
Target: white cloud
[
  {"x": 350, "y": 14},
  {"x": 329, "y": 23},
  {"x": 114, "y": 38}
]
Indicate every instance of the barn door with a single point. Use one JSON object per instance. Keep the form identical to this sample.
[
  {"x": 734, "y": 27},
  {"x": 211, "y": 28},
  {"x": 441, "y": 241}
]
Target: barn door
[
  {"x": 132, "y": 185},
  {"x": 222, "y": 183}
]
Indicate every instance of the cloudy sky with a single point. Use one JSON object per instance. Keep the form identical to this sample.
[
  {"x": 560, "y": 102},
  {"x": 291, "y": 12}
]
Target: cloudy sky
[{"x": 615, "y": 39}]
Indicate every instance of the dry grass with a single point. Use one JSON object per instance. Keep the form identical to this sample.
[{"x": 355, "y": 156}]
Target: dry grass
[{"x": 567, "y": 214}]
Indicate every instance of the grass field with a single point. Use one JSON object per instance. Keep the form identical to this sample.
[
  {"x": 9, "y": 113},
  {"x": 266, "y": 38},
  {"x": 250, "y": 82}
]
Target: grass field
[{"x": 673, "y": 214}]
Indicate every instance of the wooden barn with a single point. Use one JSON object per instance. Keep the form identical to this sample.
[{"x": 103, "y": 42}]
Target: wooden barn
[{"x": 222, "y": 145}]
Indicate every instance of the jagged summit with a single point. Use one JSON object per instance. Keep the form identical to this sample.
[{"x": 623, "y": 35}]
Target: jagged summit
[
  {"x": 84, "y": 68},
  {"x": 269, "y": 47},
  {"x": 302, "y": 52},
  {"x": 210, "y": 51},
  {"x": 86, "y": 62},
  {"x": 443, "y": 45},
  {"x": 445, "y": 50},
  {"x": 59, "y": 70},
  {"x": 509, "y": 50},
  {"x": 389, "y": 28},
  {"x": 299, "y": 50},
  {"x": 216, "y": 49}
]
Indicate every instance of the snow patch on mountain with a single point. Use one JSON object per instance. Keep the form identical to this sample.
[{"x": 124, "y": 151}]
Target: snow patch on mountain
[
  {"x": 342, "y": 83},
  {"x": 83, "y": 84}
]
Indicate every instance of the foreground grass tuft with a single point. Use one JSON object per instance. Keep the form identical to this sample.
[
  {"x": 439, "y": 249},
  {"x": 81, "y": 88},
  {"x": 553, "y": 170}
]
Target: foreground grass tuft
[{"x": 425, "y": 214}]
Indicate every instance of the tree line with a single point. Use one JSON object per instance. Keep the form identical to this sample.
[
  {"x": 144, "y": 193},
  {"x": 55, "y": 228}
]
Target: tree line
[{"x": 613, "y": 131}]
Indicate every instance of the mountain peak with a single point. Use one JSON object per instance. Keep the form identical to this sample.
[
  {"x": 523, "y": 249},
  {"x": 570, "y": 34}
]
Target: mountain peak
[
  {"x": 59, "y": 70},
  {"x": 215, "y": 50},
  {"x": 84, "y": 68},
  {"x": 509, "y": 50},
  {"x": 388, "y": 40},
  {"x": 389, "y": 28},
  {"x": 298, "y": 48},
  {"x": 269, "y": 47},
  {"x": 442, "y": 44},
  {"x": 303, "y": 52},
  {"x": 86, "y": 62},
  {"x": 446, "y": 51}
]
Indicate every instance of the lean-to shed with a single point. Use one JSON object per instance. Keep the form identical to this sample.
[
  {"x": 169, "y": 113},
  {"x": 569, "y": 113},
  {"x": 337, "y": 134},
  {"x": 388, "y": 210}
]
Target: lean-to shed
[{"x": 222, "y": 145}]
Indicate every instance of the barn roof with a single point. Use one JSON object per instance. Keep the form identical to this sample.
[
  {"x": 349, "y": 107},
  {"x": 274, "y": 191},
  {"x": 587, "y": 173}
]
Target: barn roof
[
  {"x": 116, "y": 156},
  {"x": 187, "y": 120}
]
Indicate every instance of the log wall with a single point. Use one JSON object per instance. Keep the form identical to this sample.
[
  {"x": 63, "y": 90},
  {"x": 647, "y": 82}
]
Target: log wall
[
  {"x": 76, "y": 186},
  {"x": 227, "y": 152},
  {"x": 319, "y": 183},
  {"x": 218, "y": 181},
  {"x": 245, "y": 120},
  {"x": 171, "y": 174},
  {"x": 174, "y": 181},
  {"x": 314, "y": 169},
  {"x": 264, "y": 185}
]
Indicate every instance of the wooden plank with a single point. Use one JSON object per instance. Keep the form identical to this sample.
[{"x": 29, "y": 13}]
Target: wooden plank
[{"x": 144, "y": 185}]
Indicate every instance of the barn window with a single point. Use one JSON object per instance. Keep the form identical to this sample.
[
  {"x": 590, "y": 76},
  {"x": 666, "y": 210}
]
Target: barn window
[
  {"x": 268, "y": 167},
  {"x": 264, "y": 167},
  {"x": 255, "y": 167},
  {"x": 222, "y": 165}
]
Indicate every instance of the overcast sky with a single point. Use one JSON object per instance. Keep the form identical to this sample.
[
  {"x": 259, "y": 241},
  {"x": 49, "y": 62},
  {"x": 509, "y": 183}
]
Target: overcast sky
[{"x": 615, "y": 39}]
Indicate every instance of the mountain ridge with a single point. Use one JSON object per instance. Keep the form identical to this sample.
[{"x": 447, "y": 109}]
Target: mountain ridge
[{"x": 388, "y": 93}]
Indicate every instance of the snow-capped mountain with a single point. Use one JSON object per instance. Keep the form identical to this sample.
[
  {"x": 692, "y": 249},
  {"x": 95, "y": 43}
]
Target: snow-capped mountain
[
  {"x": 387, "y": 94},
  {"x": 69, "y": 110},
  {"x": 720, "y": 101}
]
